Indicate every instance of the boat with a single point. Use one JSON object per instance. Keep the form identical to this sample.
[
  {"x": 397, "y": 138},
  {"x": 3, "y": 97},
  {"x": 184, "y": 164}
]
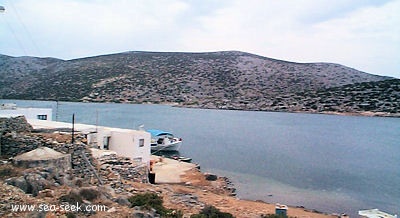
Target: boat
[
  {"x": 375, "y": 213},
  {"x": 182, "y": 158},
  {"x": 164, "y": 141}
]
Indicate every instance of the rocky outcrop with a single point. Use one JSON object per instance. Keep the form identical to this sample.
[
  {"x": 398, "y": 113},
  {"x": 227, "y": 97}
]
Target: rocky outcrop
[
  {"x": 141, "y": 213},
  {"x": 38, "y": 179},
  {"x": 10, "y": 195}
]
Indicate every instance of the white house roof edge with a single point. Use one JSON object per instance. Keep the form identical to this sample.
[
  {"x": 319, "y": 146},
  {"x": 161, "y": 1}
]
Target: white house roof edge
[{"x": 47, "y": 124}]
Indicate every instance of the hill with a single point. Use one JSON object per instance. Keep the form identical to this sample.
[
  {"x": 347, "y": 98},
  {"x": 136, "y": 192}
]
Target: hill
[{"x": 226, "y": 80}]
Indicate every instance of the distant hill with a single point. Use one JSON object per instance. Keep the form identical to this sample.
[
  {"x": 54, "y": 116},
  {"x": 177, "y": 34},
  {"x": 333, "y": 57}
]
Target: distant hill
[{"x": 226, "y": 80}]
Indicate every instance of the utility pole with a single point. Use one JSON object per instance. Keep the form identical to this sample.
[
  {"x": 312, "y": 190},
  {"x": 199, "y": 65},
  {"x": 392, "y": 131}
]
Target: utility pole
[
  {"x": 73, "y": 128},
  {"x": 2, "y": 9}
]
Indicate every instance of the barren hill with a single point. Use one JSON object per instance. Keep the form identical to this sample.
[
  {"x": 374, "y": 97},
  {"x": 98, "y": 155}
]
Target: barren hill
[{"x": 228, "y": 80}]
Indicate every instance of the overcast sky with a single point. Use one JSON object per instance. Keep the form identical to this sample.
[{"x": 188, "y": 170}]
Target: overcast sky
[{"x": 362, "y": 34}]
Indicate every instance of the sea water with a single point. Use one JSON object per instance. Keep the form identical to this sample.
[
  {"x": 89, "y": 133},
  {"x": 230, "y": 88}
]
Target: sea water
[{"x": 330, "y": 163}]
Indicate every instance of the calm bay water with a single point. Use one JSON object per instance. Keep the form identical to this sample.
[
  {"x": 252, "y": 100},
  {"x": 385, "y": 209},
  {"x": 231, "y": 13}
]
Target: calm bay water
[{"x": 324, "y": 162}]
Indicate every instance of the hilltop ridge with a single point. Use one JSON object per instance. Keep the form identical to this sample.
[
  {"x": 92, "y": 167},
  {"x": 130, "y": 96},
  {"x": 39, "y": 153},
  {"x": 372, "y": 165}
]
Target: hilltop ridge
[{"x": 224, "y": 80}]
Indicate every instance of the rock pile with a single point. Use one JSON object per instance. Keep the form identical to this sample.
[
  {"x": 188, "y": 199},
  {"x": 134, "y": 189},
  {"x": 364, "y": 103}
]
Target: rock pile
[
  {"x": 189, "y": 200},
  {"x": 139, "y": 212},
  {"x": 229, "y": 186}
]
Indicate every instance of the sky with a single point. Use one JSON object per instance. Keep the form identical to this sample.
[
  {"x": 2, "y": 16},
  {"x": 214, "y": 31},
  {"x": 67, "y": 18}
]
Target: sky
[{"x": 362, "y": 34}]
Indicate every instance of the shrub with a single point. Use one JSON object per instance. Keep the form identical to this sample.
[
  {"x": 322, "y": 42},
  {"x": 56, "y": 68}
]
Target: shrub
[
  {"x": 72, "y": 198},
  {"x": 146, "y": 200},
  {"x": 151, "y": 200},
  {"x": 71, "y": 215},
  {"x": 89, "y": 194},
  {"x": 211, "y": 212}
]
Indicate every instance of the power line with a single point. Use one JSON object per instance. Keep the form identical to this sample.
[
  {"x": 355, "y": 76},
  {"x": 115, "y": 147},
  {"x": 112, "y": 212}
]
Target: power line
[
  {"x": 14, "y": 34},
  {"x": 26, "y": 29}
]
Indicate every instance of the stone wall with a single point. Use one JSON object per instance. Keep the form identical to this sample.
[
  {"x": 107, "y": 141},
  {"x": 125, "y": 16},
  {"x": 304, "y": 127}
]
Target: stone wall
[
  {"x": 16, "y": 124},
  {"x": 114, "y": 169},
  {"x": 16, "y": 143},
  {"x": 14, "y": 127}
]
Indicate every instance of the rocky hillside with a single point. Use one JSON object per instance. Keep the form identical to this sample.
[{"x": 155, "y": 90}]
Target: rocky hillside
[{"x": 226, "y": 80}]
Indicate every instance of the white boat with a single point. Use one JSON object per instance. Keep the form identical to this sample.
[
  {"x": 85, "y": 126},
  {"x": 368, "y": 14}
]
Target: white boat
[
  {"x": 164, "y": 141},
  {"x": 375, "y": 213}
]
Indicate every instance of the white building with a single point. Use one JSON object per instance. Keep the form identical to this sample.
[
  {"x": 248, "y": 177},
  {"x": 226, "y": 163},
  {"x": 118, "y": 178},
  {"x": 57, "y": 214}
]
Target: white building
[
  {"x": 130, "y": 143},
  {"x": 11, "y": 110},
  {"x": 134, "y": 144}
]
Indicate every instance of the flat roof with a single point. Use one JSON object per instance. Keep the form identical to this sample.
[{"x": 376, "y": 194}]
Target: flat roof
[{"x": 48, "y": 124}]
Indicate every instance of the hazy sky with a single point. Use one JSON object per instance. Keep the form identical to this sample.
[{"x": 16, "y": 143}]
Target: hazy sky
[{"x": 362, "y": 34}]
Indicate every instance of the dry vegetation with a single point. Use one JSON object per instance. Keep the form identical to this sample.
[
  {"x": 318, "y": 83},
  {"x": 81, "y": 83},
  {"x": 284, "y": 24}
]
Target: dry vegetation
[{"x": 224, "y": 80}]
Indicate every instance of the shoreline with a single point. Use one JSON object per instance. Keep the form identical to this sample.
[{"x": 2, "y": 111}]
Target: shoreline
[
  {"x": 217, "y": 190},
  {"x": 360, "y": 113},
  {"x": 241, "y": 206},
  {"x": 178, "y": 105}
]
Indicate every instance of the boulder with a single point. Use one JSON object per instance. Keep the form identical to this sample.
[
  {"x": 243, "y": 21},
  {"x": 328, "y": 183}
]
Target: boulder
[
  {"x": 211, "y": 177},
  {"x": 18, "y": 182}
]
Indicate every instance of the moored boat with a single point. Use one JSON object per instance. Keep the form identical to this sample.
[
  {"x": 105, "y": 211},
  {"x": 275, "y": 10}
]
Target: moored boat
[
  {"x": 375, "y": 213},
  {"x": 181, "y": 158},
  {"x": 164, "y": 141}
]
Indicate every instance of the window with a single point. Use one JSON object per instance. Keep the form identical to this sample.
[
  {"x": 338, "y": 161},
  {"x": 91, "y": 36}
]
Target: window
[
  {"x": 141, "y": 142},
  {"x": 42, "y": 117},
  {"x": 106, "y": 142}
]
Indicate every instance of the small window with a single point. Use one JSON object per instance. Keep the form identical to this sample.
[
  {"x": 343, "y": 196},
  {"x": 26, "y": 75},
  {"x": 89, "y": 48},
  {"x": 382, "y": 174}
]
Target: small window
[
  {"x": 141, "y": 142},
  {"x": 42, "y": 117},
  {"x": 106, "y": 142}
]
